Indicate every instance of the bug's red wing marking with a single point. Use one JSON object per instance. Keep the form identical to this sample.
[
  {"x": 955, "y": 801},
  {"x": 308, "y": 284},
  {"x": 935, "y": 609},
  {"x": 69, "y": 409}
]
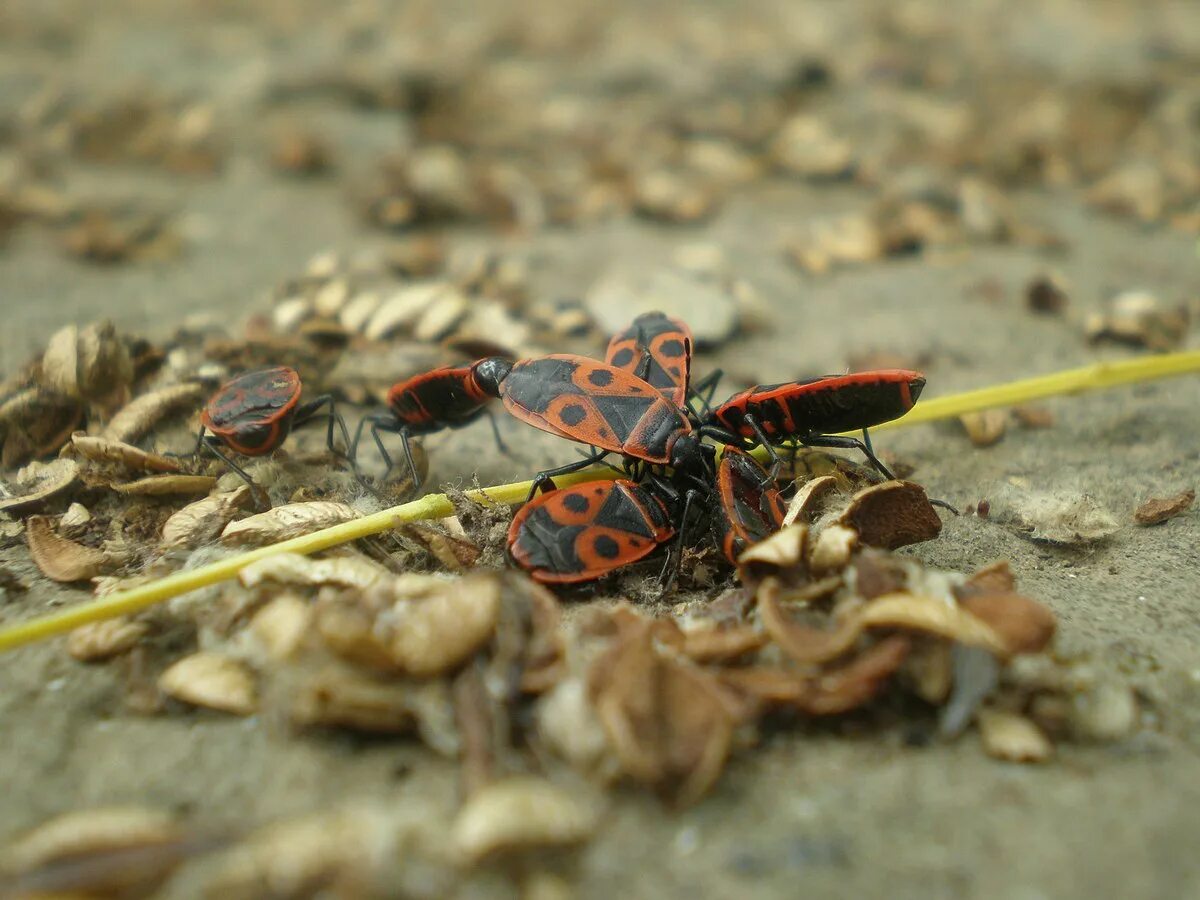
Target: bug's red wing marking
[
  {"x": 254, "y": 397},
  {"x": 830, "y": 405},
  {"x": 442, "y": 397},
  {"x": 749, "y": 512},
  {"x": 662, "y": 347},
  {"x": 593, "y": 403},
  {"x": 584, "y": 532}
]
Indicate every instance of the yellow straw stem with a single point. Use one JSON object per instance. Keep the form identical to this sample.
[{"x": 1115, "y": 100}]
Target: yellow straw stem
[{"x": 435, "y": 506}]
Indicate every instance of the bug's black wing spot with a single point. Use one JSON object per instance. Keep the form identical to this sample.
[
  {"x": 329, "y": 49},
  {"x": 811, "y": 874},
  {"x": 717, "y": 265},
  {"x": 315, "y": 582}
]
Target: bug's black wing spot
[
  {"x": 572, "y": 414},
  {"x": 606, "y": 547},
  {"x": 600, "y": 377},
  {"x": 671, "y": 349},
  {"x": 576, "y": 503},
  {"x": 622, "y": 358}
]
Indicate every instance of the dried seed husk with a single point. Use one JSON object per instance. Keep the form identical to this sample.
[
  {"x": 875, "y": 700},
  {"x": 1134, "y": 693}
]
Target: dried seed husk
[
  {"x": 1024, "y": 625},
  {"x": 211, "y": 680},
  {"x": 518, "y": 814},
  {"x": 289, "y": 521},
  {"x": 167, "y": 485},
  {"x": 456, "y": 554},
  {"x": 98, "y": 641},
  {"x": 805, "y": 503},
  {"x": 90, "y": 363},
  {"x": 440, "y": 317},
  {"x": 63, "y": 560},
  {"x": 893, "y": 514},
  {"x": 282, "y": 625},
  {"x": 1033, "y": 416},
  {"x": 201, "y": 521},
  {"x": 35, "y": 423},
  {"x": 139, "y": 416},
  {"x": 434, "y": 632},
  {"x": 832, "y": 549},
  {"x": 293, "y": 568},
  {"x": 783, "y": 550},
  {"x": 986, "y": 427},
  {"x": 403, "y": 309},
  {"x": 1012, "y": 737},
  {"x": 74, "y": 520},
  {"x": 107, "y": 450},
  {"x": 995, "y": 578},
  {"x": 1157, "y": 510},
  {"x": 338, "y": 699},
  {"x": 329, "y": 854},
  {"x": 104, "y": 852},
  {"x": 40, "y": 482},
  {"x": 669, "y": 722},
  {"x": 1137, "y": 317},
  {"x": 706, "y": 642}
]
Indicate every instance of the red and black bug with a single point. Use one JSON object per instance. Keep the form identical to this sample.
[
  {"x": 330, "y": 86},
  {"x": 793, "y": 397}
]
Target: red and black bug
[
  {"x": 748, "y": 509},
  {"x": 594, "y": 403},
  {"x": 446, "y": 397},
  {"x": 814, "y": 412},
  {"x": 254, "y": 413},
  {"x": 584, "y": 532},
  {"x": 657, "y": 349}
]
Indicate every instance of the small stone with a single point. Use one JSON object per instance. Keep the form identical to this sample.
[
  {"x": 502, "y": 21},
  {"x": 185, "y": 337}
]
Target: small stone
[
  {"x": 1158, "y": 510},
  {"x": 1047, "y": 294},
  {"x": 1012, "y": 738}
]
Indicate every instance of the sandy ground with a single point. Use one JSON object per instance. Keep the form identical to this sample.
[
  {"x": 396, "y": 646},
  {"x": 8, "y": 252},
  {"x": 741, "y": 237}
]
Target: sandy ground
[{"x": 825, "y": 814}]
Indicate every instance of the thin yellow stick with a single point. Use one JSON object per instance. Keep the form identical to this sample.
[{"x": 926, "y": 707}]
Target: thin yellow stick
[{"x": 1089, "y": 378}]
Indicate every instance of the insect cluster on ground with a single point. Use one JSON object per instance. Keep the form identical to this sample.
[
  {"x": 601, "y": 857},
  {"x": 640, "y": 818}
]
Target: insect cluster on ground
[{"x": 638, "y": 404}]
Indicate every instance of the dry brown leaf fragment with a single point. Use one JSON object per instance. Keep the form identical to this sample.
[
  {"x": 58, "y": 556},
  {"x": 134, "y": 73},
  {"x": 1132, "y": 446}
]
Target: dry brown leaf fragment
[
  {"x": 104, "y": 852},
  {"x": 456, "y": 553},
  {"x": 139, "y": 416},
  {"x": 201, "y": 521},
  {"x": 1157, "y": 510},
  {"x": 211, "y": 680},
  {"x": 289, "y": 521},
  {"x": 986, "y": 427},
  {"x": 63, "y": 560},
  {"x": 39, "y": 482},
  {"x": 995, "y": 578},
  {"x": 518, "y": 814},
  {"x": 98, "y": 641},
  {"x": 1012, "y": 737},
  {"x": 109, "y": 450},
  {"x": 668, "y": 721},
  {"x": 802, "y": 643},
  {"x": 167, "y": 485},
  {"x": 893, "y": 514}
]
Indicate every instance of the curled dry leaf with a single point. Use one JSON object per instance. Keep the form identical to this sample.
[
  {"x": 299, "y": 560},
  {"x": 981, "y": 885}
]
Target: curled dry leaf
[
  {"x": 705, "y": 642},
  {"x": 35, "y": 423},
  {"x": 893, "y": 514},
  {"x": 288, "y": 521},
  {"x": 106, "y": 852},
  {"x": 986, "y": 427},
  {"x": 90, "y": 363},
  {"x": 805, "y": 504},
  {"x": 108, "y": 450},
  {"x": 98, "y": 641},
  {"x": 64, "y": 560},
  {"x": 782, "y": 551},
  {"x": 1157, "y": 510},
  {"x": 521, "y": 813},
  {"x": 1011, "y": 737},
  {"x": 211, "y": 680},
  {"x": 669, "y": 722},
  {"x": 292, "y": 568},
  {"x": 38, "y": 482},
  {"x": 201, "y": 521},
  {"x": 139, "y": 417},
  {"x": 167, "y": 485}
]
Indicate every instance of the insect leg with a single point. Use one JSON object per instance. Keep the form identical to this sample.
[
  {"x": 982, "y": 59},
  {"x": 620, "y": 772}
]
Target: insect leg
[
  {"x": 847, "y": 443},
  {"x": 500, "y": 445},
  {"x": 210, "y": 443},
  {"x": 309, "y": 412},
  {"x": 765, "y": 442},
  {"x": 547, "y": 475}
]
